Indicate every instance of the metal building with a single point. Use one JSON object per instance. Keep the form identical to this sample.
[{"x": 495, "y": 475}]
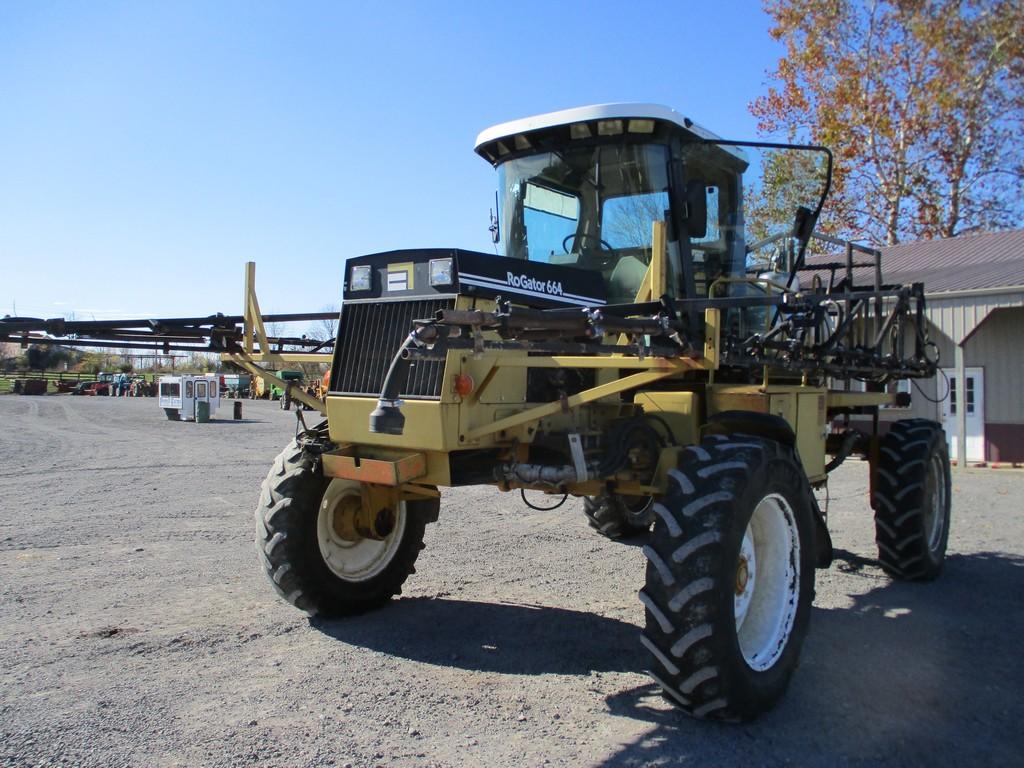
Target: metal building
[{"x": 975, "y": 307}]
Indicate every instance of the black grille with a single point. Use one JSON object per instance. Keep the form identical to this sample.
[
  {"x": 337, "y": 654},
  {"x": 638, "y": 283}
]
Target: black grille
[{"x": 371, "y": 335}]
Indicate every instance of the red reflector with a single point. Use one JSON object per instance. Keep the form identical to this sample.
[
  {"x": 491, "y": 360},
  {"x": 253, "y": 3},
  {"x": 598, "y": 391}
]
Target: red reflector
[{"x": 464, "y": 384}]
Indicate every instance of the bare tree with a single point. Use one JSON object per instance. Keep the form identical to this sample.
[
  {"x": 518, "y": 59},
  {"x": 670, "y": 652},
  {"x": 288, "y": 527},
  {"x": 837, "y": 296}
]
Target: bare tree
[{"x": 327, "y": 329}]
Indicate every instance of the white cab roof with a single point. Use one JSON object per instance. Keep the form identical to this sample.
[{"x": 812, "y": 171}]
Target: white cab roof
[{"x": 593, "y": 112}]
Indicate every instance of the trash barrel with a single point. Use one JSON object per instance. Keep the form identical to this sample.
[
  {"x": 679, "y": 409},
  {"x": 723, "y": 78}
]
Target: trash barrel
[
  {"x": 238, "y": 409},
  {"x": 202, "y": 411}
]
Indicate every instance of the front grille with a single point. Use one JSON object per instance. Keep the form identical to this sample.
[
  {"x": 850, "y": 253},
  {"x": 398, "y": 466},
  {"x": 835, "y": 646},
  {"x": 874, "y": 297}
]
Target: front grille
[{"x": 369, "y": 338}]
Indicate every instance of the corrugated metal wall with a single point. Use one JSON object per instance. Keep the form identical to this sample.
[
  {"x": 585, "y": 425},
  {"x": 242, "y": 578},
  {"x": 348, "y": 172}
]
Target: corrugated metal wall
[
  {"x": 994, "y": 327},
  {"x": 958, "y": 316},
  {"x": 998, "y": 347}
]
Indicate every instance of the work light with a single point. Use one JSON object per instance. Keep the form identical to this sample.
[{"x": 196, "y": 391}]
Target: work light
[
  {"x": 360, "y": 278},
  {"x": 441, "y": 272}
]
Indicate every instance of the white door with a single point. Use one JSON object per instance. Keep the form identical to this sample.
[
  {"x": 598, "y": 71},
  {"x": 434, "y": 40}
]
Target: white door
[
  {"x": 200, "y": 393},
  {"x": 974, "y": 396},
  {"x": 188, "y": 399}
]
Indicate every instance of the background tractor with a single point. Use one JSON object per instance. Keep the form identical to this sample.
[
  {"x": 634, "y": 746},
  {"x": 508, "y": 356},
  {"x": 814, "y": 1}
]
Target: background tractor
[{"x": 635, "y": 347}]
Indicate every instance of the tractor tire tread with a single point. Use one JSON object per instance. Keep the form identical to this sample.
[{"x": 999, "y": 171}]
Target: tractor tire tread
[
  {"x": 608, "y": 514},
  {"x": 689, "y": 647},
  {"x": 899, "y": 500},
  {"x": 286, "y": 519}
]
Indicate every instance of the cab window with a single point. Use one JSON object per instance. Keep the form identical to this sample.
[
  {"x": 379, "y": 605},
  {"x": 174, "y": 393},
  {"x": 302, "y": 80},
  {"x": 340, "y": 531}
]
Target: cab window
[
  {"x": 626, "y": 221},
  {"x": 549, "y": 217}
]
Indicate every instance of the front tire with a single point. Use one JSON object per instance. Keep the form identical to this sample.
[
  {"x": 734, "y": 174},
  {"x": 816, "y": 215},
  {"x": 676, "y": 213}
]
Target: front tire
[
  {"x": 730, "y": 577},
  {"x": 305, "y": 559},
  {"x": 912, "y": 492}
]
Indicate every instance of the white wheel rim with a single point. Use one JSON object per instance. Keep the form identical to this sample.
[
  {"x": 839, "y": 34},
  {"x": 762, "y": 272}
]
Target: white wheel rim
[
  {"x": 354, "y": 560},
  {"x": 934, "y": 514},
  {"x": 767, "y": 588}
]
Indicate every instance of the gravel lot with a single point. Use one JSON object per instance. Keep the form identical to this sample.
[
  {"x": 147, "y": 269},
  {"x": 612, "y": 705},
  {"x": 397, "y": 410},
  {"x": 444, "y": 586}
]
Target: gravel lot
[{"x": 136, "y": 629}]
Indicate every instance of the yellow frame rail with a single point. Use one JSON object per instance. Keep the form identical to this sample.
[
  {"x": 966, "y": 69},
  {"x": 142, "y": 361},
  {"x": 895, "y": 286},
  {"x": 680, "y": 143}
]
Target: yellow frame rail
[{"x": 254, "y": 330}]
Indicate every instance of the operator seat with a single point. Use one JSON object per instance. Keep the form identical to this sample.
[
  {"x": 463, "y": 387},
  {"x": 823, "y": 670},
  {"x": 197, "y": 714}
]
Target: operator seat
[{"x": 625, "y": 280}]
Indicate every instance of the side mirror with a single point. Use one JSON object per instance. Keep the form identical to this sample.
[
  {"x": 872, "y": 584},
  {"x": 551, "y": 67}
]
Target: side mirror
[
  {"x": 803, "y": 224},
  {"x": 494, "y": 227},
  {"x": 696, "y": 209}
]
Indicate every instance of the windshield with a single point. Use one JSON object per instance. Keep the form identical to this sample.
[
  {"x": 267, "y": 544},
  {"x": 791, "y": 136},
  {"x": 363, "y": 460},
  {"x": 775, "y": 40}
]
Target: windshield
[
  {"x": 589, "y": 207},
  {"x": 592, "y": 206}
]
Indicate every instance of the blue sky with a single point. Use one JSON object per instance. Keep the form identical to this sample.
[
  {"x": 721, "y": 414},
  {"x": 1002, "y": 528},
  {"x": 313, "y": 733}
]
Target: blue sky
[{"x": 147, "y": 150}]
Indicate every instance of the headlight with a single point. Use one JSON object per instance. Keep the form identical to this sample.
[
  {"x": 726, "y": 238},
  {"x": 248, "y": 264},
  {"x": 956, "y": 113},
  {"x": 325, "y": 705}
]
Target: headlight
[
  {"x": 360, "y": 278},
  {"x": 441, "y": 272}
]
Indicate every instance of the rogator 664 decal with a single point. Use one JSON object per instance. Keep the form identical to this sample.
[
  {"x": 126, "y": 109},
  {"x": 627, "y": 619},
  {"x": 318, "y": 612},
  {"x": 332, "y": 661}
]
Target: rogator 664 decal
[
  {"x": 527, "y": 283},
  {"x": 544, "y": 283}
]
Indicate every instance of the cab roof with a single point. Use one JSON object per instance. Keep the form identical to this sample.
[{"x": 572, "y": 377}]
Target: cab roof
[{"x": 494, "y": 143}]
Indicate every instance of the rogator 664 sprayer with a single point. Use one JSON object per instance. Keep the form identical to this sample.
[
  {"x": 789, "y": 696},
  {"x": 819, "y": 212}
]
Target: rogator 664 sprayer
[
  {"x": 654, "y": 340},
  {"x": 632, "y": 346}
]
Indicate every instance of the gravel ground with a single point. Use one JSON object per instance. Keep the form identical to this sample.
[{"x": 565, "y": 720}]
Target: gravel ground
[{"x": 136, "y": 629}]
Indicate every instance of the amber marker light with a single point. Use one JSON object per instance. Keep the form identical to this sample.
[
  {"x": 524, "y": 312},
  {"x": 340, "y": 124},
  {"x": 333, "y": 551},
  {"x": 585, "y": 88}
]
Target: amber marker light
[{"x": 464, "y": 384}]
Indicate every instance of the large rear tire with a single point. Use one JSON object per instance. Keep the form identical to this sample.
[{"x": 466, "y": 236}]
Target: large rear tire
[
  {"x": 305, "y": 558},
  {"x": 911, "y": 499},
  {"x": 730, "y": 577}
]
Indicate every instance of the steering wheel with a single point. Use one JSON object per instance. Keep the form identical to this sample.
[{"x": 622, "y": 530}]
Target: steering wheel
[{"x": 574, "y": 236}]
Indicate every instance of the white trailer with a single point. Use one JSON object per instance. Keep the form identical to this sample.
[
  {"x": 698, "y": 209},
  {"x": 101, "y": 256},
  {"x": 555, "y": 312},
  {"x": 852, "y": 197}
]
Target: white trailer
[{"x": 182, "y": 397}]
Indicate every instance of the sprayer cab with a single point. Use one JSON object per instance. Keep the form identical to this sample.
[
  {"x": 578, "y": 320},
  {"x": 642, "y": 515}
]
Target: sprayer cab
[{"x": 583, "y": 187}]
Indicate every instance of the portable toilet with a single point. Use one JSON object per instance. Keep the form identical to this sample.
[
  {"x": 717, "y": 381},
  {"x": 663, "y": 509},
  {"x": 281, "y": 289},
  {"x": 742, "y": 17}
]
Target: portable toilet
[{"x": 180, "y": 396}]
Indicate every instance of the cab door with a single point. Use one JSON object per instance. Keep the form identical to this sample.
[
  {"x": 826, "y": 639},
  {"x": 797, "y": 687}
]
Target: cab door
[{"x": 188, "y": 395}]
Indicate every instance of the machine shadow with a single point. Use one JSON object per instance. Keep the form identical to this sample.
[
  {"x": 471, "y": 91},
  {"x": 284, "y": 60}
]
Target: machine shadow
[
  {"x": 912, "y": 673},
  {"x": 493, "y": 637}
]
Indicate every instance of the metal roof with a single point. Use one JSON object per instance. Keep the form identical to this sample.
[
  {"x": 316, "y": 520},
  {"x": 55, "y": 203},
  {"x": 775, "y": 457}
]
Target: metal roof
[{"x": 964, "y": 263}]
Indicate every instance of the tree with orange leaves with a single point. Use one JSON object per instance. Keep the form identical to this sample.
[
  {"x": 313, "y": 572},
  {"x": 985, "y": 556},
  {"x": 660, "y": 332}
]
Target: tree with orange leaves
[{"x": 922, "y": 102}]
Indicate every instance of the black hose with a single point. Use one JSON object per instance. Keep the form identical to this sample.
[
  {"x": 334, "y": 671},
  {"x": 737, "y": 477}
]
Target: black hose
[
  {"x": 621, "y": 438},
  {"x": 522, "y": 492},
  {"x": 387, "y": 417},
  {"x": 845, "y": 449}
]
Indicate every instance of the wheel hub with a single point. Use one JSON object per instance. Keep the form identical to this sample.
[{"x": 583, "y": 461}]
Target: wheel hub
[
  {"x": 742, "y": 576},
  {"x": 746, "y": 573},
  {"x": 356, "y": 541},
  {"x": 352, "y": 521}
]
